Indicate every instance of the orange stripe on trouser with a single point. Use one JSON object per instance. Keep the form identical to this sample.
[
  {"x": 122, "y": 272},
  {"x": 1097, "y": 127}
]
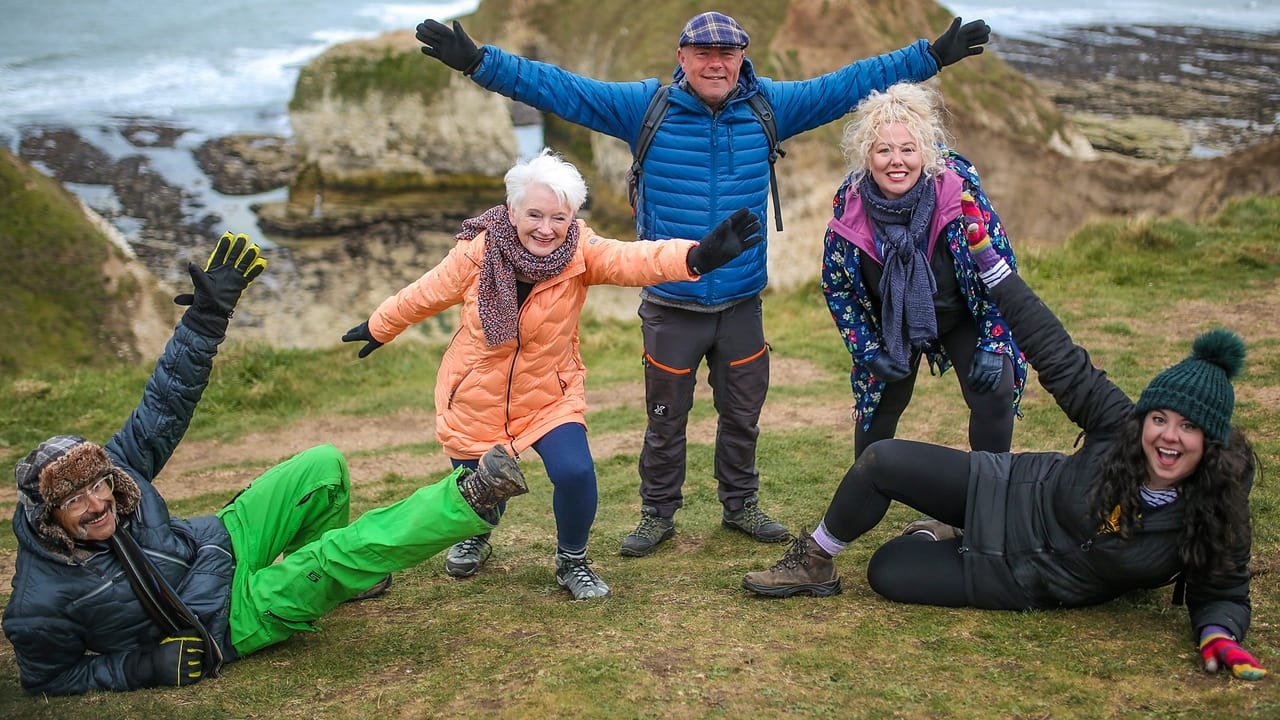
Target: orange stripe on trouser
[
  {"x": 674, "y": 371},
  {"x": 300, "y": 508},
  {"x": 749, "y": 358}
]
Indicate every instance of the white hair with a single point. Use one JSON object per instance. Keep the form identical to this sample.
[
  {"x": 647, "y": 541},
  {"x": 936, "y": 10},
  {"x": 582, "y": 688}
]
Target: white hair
[{"x": 551, "y": 171}]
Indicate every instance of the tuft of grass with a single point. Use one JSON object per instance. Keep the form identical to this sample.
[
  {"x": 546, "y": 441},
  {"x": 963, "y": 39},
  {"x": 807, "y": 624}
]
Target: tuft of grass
[{"x": 680, "y": 639}]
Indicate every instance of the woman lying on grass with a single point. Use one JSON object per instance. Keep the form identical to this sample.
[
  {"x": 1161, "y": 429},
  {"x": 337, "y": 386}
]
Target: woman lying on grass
[{"x": 1157, "y": 492}]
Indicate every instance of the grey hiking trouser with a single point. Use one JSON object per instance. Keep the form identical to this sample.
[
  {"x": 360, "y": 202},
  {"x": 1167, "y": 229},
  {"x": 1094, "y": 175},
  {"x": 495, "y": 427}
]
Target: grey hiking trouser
[{"x": 675, "y": 341}]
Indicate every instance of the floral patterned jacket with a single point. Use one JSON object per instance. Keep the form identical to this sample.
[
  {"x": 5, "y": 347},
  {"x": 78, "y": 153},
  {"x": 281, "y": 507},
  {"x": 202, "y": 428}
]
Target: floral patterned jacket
[{"x": 858, "y": 323}]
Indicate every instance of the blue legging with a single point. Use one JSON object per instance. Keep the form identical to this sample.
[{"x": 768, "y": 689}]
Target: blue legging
[{"x": 572, "y": 471}]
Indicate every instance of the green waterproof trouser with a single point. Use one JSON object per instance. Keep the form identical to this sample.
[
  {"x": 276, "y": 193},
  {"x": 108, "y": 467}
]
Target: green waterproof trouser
[{"x": 300, "y": 508}]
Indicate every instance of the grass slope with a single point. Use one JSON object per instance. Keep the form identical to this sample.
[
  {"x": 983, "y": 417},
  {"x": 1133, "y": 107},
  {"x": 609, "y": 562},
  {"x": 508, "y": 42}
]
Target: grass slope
[
  {"x": 58, "y": 308},
  {"x": 680, "y": 639}
]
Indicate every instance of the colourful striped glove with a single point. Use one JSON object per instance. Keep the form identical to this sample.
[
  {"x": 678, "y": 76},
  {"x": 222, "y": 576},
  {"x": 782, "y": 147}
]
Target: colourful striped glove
[
  {"x": 1219, "y": 650},
  {"x": 991, "y": 267}
]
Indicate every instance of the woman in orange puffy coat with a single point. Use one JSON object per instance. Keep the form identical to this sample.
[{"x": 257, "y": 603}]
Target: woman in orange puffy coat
[{"x": 513, "y": 374}]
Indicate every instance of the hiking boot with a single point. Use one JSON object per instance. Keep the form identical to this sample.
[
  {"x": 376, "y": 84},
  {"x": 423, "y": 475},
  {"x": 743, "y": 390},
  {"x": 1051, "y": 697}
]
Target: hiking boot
[
  {"x": 497, "y": 479},
  {"x": 754, "y": 522},
  {"x": 804, "y": 568},
  {"x": 379, "y": 588},
  {"x": 651, "y": 531},
  {"x": 575, "y": 575},
  {"x": 465, "y": 558},
  {"x": 932, "y": 529}
]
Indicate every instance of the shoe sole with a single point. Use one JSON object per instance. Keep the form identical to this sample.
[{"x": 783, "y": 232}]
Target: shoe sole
[
  {"x": 460, "y": 572},
  {"x": 628, "y": 552},
  {"x": 814, "y": 589},
  {"x": 608, "y": 594},
  {"x": 758, "y": 538}
]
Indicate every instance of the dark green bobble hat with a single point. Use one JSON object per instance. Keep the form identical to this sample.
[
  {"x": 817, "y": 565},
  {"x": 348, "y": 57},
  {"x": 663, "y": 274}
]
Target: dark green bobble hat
[{"x": 1199, "y": 387}]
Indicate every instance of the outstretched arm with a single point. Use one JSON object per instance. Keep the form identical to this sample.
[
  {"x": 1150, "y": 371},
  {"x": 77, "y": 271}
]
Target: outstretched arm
[
  {"x": 169, "y": 399},
  {"x": 612, "y": 108},
  {"x": 1064, "y": 368}
]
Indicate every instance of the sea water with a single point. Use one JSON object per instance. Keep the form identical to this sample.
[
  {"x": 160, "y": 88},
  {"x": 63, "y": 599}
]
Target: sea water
[{"x": 231, "y": 65}]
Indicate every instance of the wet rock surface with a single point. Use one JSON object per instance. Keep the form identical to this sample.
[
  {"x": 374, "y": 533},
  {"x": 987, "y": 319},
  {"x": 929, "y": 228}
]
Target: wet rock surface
[
  {"x": 1218, "y": 84},
  {"x": 247, "y": 164}
]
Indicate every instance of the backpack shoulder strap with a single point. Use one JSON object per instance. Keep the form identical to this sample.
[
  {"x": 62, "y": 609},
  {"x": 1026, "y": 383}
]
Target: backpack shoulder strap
[
  {"x": 763, "y": 111},
  {"x": 653, "y": 116},
  {"x": 760, "y": 107}
]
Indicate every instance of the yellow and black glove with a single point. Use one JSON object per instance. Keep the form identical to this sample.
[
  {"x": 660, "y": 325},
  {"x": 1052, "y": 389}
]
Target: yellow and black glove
[
  {"x": 235, "y": 262},
  {"x": 177, "y": 662}
]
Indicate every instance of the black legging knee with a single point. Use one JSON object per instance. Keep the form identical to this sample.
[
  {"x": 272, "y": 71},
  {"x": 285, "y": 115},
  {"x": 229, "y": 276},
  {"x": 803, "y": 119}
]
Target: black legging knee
[
  {"x": 915, "y": 569},
  {"x": 930, "y": 478}
]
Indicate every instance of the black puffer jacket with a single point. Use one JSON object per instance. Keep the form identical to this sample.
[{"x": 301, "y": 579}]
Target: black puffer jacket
[
  {"x": 1029, "y": 541},
  {"x": 73, "y": 618}
]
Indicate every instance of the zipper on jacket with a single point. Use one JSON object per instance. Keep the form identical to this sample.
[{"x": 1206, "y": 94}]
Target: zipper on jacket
[
  {"x": 506, "y": 414},
  {"x": 511, "y": 373}
]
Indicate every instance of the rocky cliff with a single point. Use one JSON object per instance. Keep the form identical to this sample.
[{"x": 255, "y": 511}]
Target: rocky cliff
[{"x": 74, "y": 293}]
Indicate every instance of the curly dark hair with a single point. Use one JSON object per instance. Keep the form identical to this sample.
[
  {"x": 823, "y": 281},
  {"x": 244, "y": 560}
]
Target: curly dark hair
[{"x": 1217, "y": 526}]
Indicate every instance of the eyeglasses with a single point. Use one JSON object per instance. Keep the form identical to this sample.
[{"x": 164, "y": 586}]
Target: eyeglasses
[{"x": 78, "y": 504}]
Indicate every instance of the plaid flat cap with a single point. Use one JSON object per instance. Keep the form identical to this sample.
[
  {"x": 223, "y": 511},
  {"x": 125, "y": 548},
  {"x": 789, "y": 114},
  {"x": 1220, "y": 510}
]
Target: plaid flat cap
[{"x": 714, "y": 29}]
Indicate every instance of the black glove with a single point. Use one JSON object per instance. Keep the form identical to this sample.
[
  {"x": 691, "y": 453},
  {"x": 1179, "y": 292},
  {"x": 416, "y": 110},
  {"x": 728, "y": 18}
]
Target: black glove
[
  {"x": 732, "y": 237},
  {"x": 451, "y": 47},
  {"x": 958, "y": 42},
  {"x": 360, "y": 333},
  {"x": 985, "y": 371},
  {"x": 886, "y": 370},
  {"x": 177, "y": 662},
  {"x": 235, "y": 262}
]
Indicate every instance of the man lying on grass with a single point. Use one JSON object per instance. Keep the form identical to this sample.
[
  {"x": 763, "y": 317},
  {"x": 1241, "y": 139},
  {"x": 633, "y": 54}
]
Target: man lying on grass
[{"x": 112, "y": 593}]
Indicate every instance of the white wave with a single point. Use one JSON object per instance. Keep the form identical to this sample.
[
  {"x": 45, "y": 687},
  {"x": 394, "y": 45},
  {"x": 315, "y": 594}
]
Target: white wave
[
  {"x": 408, "y": 15},
  {"x": 1033, "y": 18}
]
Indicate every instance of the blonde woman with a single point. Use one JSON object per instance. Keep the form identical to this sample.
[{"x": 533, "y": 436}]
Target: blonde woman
[{"x": 898, "y": 277}]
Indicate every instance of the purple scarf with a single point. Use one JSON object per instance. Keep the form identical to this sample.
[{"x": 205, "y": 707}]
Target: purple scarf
[
  {"x": 504, "y": 258},
  {"x": 907, "y": 317}
]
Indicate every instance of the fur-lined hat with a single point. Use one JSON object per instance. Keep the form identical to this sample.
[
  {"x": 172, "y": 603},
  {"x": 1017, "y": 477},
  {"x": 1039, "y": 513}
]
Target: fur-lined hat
[{"x": 57, "y": 469}]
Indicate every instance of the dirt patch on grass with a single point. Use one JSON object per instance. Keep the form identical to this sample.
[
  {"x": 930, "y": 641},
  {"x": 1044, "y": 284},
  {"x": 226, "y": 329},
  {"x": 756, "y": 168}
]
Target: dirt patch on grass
[{"x": 376, "y": 446}]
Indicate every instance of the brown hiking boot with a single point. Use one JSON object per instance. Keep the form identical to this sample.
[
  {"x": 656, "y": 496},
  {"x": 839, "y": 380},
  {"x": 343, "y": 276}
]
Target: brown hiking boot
[
  {"x": 803, "y": 569},
  {"x": 379, "y": 588},
  {"x": 497, "y": 479},
  {"x": 932, "y": 529}
]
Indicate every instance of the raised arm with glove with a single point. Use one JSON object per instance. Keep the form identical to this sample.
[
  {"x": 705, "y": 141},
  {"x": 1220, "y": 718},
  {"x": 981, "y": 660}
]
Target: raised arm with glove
[
  {"x": 960, "y": 42},
  {"x": 992, "y": 268},
  {"x": 451, "y": 46},
  {"x": 235, "y": 262}
]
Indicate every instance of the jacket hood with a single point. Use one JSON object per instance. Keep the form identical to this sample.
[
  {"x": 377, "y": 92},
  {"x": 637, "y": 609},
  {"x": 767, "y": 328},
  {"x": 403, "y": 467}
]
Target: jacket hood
[{"x": 55, "y": 470}]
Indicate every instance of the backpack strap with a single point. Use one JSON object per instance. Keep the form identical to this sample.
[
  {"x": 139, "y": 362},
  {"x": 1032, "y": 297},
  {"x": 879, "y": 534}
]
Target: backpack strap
[
  {"x": 657, "y": 112},
  {"x": 763, "y": 111},
  {"x": 653, "y": 116}
]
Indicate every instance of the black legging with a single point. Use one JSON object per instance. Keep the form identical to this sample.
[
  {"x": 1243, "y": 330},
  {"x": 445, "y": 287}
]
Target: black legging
[
  {"x": 990, "y": 414},
  {"x": 930, "y": 478}
]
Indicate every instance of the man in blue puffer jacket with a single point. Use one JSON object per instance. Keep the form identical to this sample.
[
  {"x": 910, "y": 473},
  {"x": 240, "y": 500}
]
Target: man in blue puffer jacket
[
  {"x": 709, "y": 157},
  {"x": 111, "y": 592}
]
